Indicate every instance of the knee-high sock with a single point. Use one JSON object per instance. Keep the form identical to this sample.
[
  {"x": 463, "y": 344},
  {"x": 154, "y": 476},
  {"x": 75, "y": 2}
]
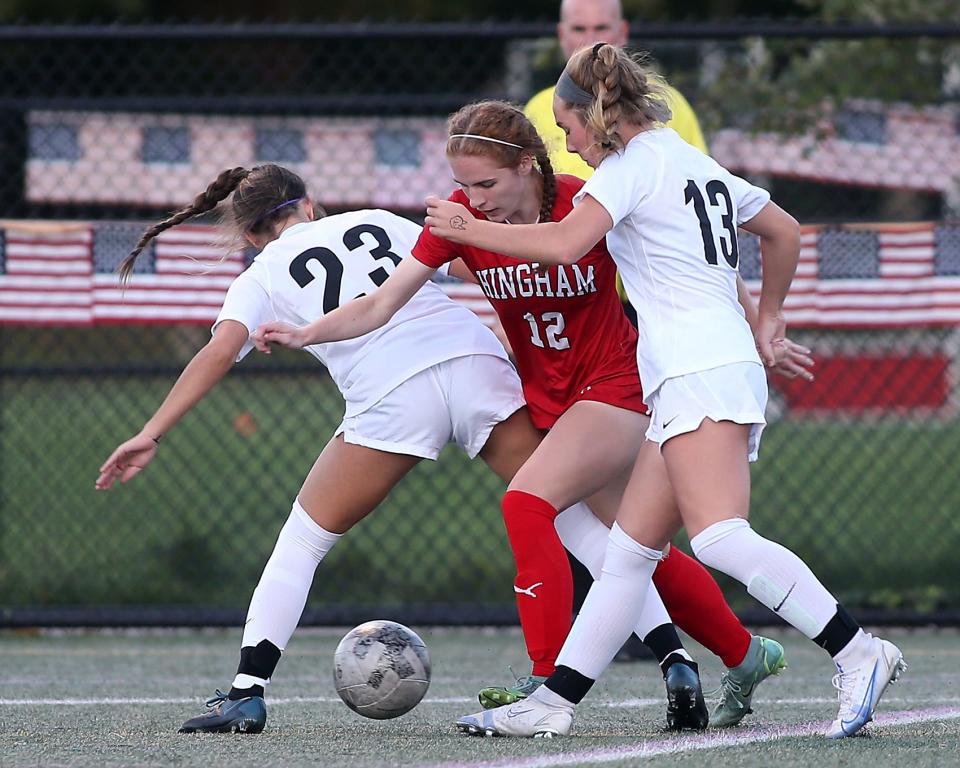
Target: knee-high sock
[
  {"x": 544, "y": 585},
  {"x": 586, "y": 539},
  {"x": 698, "y": 607},
  {"x": 612, "y": 608},
  {"x": 281, "y": 595},
  {"x": 772, "y": 573}
]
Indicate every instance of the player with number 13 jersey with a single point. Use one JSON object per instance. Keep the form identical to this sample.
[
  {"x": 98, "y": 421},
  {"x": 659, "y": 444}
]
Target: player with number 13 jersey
[{"x": 570, "y": 337}]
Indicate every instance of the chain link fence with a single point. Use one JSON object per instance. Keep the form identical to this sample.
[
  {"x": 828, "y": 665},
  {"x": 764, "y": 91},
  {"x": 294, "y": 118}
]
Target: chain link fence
[{"x": 856, "y": 131}]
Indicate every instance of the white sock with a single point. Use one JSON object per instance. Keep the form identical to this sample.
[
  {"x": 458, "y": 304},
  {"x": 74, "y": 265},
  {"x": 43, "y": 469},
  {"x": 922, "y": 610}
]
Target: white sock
[
  {"x": 859, "y": 649},
  {"x": 586, "y": 539},
  {"x": 613, "y": 606},
  {"x": 772, "y": 573},
  {"x": 281, "y": 594}
]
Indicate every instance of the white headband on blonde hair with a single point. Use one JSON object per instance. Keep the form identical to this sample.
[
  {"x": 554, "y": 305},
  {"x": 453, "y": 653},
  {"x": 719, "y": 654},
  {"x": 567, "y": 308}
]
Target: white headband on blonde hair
[{"x": 483, "y": 138}]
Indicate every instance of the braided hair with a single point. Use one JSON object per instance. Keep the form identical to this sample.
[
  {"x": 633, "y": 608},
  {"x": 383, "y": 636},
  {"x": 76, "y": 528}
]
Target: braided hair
[
  {"x": 503, "y": 121},
  {"x": 624, "y": 90},
  {"x": 261, "y": 198}
]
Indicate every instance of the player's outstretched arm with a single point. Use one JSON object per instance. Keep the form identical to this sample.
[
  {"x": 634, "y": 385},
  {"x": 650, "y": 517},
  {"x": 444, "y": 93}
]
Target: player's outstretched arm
[
  {"x": 553, "y": 242},
  {"x": 355, "y": 318},
  {"x": 206, "y": 368},
  {"x": 779, "y": 253}
]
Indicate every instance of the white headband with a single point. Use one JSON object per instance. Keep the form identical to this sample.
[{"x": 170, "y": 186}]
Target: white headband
[{"x": 482, "y": 138}]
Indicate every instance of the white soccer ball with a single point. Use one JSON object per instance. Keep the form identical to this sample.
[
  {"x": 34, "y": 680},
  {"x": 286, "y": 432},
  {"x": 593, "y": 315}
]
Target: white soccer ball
[{"x": 381, "y": 669}]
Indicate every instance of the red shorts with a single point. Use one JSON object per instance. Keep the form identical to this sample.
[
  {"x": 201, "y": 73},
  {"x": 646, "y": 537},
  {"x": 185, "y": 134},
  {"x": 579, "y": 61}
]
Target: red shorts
[{"x": 623, "y": 391}]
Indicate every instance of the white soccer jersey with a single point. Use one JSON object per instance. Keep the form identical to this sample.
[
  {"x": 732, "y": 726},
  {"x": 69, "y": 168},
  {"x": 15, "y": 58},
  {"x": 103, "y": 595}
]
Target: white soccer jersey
[
  {"x": 315, "y": 266},
  {"x": 675, "y": 213}
]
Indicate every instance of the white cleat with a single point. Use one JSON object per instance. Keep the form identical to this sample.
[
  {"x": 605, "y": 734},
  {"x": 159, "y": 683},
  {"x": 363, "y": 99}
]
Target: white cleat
[
  {"x": 859, "y": 688},
  {"x": 530, "y": 718}
]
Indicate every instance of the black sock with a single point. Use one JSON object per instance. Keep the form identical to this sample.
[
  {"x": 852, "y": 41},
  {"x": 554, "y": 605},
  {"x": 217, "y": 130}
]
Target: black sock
[
  {"x": 840, "y": 630},
  {"x": 258, "y": 660},
  {"x": 663, "y": 641},
  {"x": 676, "y": 658},
  {"x": 245, "y": 693},
  {"x": 569, "y": 683}
]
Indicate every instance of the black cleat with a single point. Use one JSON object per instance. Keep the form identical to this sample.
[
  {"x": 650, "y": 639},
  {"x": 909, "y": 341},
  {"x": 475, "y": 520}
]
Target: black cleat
[
  {"x": 247, "y": 715},
  {"x": 686, "y": 708}
]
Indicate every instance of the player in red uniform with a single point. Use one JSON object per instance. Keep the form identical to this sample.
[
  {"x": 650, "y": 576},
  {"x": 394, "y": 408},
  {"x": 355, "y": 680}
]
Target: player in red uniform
[{"x": 582, "y": 388}]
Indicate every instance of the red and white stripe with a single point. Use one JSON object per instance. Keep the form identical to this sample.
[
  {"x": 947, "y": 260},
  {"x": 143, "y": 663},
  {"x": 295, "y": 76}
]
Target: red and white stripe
[
  {"x": 191, "y": 279},
  {"x": 47, "y": 276}
]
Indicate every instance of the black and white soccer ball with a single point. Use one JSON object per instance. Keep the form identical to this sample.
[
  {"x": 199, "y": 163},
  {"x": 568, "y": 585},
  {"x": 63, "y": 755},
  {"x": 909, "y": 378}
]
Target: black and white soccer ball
[{"x": 381, "y": 669}]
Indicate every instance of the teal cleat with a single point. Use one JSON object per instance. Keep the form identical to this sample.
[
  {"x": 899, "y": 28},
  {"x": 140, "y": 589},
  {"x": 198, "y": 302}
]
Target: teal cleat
[
  {"x": 247, "y": 715},
  {"x": 499, "y": 697},
  {"x": 764, "y": 658}
]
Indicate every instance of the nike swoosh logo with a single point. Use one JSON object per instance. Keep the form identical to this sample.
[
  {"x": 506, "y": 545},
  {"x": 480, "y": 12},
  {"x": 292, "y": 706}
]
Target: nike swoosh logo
[
  {"x": 517, "y": 712},
  {"x": 668, "y": 423},
  {"x": 789, "y": 591}
]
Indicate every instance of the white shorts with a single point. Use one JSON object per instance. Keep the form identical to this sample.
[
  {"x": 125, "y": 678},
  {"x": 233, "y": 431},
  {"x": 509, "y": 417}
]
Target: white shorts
[
  {"x": 736, "y": 392},
  {"x": 458, "y": 401}
]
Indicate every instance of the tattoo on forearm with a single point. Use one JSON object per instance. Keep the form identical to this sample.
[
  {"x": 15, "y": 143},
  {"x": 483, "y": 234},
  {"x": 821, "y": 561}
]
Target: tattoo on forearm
[{"x": 458, "y": 222}]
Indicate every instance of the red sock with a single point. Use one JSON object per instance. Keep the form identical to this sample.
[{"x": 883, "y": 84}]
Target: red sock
[
  {"x": 695, "y": 603},
  {"x": 544, "y": 584}
]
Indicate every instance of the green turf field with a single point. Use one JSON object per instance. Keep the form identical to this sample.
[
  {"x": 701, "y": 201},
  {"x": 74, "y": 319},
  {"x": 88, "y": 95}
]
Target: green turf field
[{"x": 116, "y": 699}]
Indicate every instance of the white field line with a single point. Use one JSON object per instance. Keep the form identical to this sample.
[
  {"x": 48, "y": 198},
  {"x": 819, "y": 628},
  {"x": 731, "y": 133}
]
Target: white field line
[
  {"x": 467, "y": 700},
  {"x": 698, "y": 743}
]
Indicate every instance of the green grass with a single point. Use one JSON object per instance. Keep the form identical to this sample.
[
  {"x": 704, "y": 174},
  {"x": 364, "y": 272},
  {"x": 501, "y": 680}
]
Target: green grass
[
  {"x": 165, "y": 675},
  {"x": 869, "y": 505}
]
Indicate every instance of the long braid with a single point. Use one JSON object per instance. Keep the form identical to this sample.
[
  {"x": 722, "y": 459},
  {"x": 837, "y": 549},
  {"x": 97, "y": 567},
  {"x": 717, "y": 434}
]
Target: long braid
[
  {"x": 606, "y": 110},
  {"x": 549, "y": 196},
  {"x": 207, "y": 200},
  {"x": 623, "y": 91}
]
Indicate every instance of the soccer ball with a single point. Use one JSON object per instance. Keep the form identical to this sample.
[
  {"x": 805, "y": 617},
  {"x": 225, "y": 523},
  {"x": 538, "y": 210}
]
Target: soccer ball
[{"x": 381, "y": 669}]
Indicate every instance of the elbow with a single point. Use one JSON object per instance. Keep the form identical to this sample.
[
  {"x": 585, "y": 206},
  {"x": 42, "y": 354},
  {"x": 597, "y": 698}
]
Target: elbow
[{"x": 220, "y": 357}]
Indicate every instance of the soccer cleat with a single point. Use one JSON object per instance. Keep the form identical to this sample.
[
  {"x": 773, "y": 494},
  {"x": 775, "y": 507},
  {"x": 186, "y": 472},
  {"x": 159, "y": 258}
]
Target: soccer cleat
[
  {"x": 499, "y": 697},
  {"x": 860, "y": 687},
  {"x": 764, "y": 658},
  {"x": 532, "y": 717},
  {"x": 685, "y": 705},
  {"x": 247, "y": 715}
]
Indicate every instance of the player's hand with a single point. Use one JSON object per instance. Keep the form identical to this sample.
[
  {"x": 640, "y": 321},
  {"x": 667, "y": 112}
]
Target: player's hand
[
  {"x": 793, "y": 360},
  {"x": 771, "y": 329},
  {"x": 275, "y": 332},
  {"x": 126, "y": 461},
  {"x": 447, "y": 219}
]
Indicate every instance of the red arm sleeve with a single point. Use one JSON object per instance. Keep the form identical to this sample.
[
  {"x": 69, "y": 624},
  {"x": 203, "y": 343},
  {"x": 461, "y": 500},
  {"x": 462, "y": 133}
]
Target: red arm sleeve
[{"x": 434, "y": 251}]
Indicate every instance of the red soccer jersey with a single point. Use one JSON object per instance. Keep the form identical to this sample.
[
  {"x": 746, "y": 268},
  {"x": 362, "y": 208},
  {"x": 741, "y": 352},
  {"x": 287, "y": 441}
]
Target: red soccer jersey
[{"x": 570, "y": 337}]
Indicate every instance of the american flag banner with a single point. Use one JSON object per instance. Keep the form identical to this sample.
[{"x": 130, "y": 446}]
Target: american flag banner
[
  {"x": 46, "y": 273},
  {"x": 181, "y": 278},
  {"x": 849, "y": 276},
  {"x": 877, "y": 276}
]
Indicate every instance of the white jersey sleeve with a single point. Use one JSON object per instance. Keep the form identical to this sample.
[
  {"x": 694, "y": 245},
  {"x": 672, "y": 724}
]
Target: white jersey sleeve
[
  {"x": 619, "y": 191},
  {"x": 248, "y": 302}
]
